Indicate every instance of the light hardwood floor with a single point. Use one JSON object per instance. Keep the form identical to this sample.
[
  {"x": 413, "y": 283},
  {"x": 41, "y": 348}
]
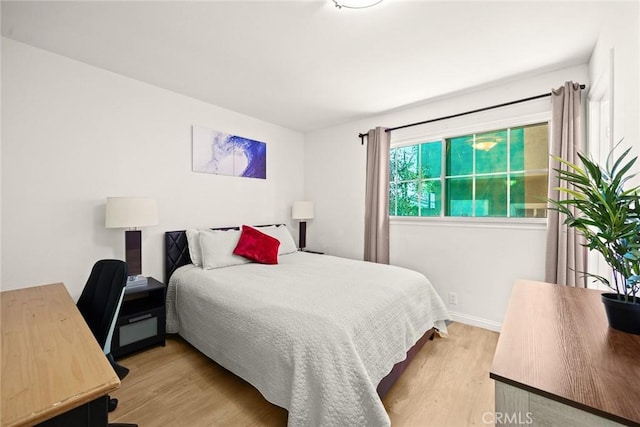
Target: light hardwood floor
[{"x": 446, "y": 385}]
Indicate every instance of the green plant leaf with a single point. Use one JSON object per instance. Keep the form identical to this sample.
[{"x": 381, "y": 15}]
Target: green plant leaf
[{"x": 598, "y": 206}]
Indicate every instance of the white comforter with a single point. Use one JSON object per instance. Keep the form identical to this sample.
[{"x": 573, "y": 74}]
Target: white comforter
[{"x": 315, "y": 333}]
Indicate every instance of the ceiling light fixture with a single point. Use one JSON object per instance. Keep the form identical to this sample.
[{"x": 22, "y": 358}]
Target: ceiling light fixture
[
  {"x": 355, "y": 4},
  {"x": 484, "y": 145}
]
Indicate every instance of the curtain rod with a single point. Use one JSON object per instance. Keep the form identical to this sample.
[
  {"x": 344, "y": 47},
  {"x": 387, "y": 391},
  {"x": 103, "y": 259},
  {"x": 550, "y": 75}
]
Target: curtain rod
[{"x": 531, "y": 98}]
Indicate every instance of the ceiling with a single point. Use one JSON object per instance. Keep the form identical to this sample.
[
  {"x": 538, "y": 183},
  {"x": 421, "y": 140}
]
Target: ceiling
[{"x": 305, "y": 64}]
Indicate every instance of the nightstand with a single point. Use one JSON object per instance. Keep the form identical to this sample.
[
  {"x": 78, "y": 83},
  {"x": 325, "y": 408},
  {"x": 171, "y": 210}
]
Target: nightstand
[{"x": 142, "y": 319}]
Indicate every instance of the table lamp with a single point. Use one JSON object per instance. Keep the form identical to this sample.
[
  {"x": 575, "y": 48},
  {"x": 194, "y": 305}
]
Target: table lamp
[
  {"x": 131, "y": 213},
  {"x": 302, "y": 211}
]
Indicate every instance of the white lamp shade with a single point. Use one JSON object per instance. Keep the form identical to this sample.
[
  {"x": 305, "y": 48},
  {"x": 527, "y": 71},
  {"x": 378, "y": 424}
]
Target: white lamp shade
[
  {"x": 302, "y": 210},
  {"x": 131, "y": 212}
]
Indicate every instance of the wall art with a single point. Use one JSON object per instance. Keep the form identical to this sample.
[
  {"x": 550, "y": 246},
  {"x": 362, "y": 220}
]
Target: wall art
[{"x": 224, "y": 154}]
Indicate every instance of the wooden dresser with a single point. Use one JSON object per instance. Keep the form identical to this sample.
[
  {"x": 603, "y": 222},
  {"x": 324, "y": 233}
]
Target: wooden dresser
[{"x": 558, "y": 363}]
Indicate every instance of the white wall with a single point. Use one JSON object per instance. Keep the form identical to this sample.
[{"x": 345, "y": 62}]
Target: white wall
[
  {"x": 74, "y": 134},
  {"x": 478, "y": 262}
]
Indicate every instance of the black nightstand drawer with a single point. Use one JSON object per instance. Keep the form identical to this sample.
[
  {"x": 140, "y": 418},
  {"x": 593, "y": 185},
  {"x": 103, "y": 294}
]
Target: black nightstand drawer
[
  {"x": 142, "y": 319},
  {"x": 138, "y": 331},
  {"x": 137, "y": 327}
]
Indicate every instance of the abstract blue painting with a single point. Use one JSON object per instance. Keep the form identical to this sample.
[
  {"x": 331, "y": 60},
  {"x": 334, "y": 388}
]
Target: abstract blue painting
[{"x": 224, "y": 154}]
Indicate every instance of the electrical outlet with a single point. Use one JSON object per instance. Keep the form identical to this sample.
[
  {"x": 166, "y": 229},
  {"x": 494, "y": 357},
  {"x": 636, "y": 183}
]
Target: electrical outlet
[{"x": 453, "y": 298}]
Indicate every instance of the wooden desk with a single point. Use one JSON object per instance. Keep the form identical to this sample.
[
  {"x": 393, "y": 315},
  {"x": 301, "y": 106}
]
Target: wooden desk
[
  {"x": 559, "y": 362},
  {"x": 51, "y": 362}
]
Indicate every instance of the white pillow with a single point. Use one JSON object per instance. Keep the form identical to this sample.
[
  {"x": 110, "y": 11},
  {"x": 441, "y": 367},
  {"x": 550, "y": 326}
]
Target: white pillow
[
  {"x": 217, "y": 249},
  {"x": 193, "y": 241},
  {"x": 287, "y": 244}
]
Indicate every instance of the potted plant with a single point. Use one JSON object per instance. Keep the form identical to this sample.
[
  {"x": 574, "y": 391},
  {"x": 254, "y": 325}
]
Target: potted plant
[{"x": 608, "y": 216}]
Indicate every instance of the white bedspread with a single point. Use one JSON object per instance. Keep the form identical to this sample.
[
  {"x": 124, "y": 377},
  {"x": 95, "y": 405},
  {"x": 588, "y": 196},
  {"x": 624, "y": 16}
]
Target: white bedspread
[{"x": 315, "y": 333}]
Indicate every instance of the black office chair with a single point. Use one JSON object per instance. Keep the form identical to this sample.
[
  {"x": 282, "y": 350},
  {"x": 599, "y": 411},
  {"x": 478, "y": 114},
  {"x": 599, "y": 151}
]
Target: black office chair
[{"x": 100, "y": 304}]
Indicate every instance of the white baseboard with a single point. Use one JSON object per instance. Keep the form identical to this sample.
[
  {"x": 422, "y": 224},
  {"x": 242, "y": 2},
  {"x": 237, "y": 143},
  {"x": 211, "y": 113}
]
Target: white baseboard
[{"x": 476, "y": 321}]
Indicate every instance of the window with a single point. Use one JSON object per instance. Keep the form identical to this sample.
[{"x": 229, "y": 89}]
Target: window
[{"x": 501, "y": 173}]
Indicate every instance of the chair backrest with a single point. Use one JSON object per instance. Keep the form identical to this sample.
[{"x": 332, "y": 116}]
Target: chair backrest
[{"x": 101, "y": 299}]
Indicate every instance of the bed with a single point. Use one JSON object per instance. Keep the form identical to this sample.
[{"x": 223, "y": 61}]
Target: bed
[{"x": 317, "y": 335}]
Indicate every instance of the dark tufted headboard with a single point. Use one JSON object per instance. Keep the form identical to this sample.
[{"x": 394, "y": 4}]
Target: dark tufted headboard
[
  {"x": 176, "y": 252},
  {"x": 176, "y": 249}
]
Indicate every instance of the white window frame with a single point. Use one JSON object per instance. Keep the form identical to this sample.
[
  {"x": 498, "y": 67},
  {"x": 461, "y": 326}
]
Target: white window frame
[{"x": 501, "y": 222}]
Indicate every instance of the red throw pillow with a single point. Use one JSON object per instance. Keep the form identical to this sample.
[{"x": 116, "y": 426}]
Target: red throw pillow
[{"x": 257, "y": 246}]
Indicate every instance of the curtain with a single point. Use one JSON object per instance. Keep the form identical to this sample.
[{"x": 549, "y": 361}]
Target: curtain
[
  {"x": 566, "y": 258},
  {"x": 376, "y": 211}
]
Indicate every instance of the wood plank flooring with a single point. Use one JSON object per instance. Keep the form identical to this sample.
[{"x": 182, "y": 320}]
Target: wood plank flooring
[{"x": 446, "y": 385}]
